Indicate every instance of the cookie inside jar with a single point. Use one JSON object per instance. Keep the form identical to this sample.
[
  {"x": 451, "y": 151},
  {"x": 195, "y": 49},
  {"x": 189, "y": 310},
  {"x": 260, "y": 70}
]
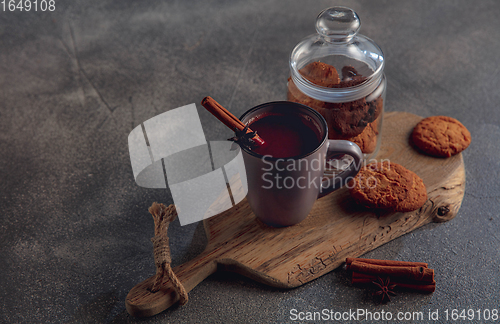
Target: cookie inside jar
[
  {"x": 340, "y": 74},
  {"x": 358, "y": 120}
]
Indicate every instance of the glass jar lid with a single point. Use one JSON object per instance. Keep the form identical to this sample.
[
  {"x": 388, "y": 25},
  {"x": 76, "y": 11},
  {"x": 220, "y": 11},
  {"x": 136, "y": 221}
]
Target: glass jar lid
[{"x": 357, "y": 60}]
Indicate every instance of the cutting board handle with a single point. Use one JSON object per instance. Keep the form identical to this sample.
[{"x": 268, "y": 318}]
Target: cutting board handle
[{"x": 141, "y": 302}]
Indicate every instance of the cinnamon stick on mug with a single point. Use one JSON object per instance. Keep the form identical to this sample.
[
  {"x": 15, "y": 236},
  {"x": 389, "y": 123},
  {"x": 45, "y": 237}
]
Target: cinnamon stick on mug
[{"x": 227, "y": 118}]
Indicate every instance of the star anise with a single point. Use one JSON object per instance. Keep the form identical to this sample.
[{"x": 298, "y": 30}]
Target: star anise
[
  {"x": 243, "y": 138},
  {"x": 386, "y": 289}
]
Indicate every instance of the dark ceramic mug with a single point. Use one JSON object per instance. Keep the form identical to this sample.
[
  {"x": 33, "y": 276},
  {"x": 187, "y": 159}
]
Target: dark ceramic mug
[{"x": 282, "y": 191}]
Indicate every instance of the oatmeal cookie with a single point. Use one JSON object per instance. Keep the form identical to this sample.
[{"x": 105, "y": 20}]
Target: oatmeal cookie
[
  {"x": 388, "y": 186},
  {"x": 441, "y": 136}
]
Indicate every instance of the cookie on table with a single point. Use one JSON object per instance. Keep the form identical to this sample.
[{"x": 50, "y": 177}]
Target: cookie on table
[
  {"x": 440, "y": 136},
  {"x": 388, "y": 186}
]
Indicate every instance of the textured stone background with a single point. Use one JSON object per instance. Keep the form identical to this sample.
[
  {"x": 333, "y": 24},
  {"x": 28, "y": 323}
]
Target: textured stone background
[{"x": 74, "y": 227}]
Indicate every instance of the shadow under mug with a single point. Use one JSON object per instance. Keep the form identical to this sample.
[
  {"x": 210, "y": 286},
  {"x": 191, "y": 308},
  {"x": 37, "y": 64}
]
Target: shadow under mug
[{"x": 282, "y": 191}]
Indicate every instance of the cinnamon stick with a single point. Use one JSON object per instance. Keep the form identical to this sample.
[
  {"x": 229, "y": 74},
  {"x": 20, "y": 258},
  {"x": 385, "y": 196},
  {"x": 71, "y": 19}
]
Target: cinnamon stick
[
  {"x": 227, "y": 118},
  {"x": 361, "y": 278},
  {"x": 392, "y": 263},
  {"x": 417, "y": 274}
]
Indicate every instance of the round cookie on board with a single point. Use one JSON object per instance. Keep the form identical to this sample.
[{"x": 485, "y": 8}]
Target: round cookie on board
[
  {"x": 388, "y": 186},
  {"x": 440, "y": 136}
]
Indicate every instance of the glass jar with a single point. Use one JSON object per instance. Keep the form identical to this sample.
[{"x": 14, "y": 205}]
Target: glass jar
[{"x": 341, "y": 75}]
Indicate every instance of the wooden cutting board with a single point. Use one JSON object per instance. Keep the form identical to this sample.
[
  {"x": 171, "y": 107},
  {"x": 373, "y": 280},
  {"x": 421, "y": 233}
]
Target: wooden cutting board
[{"x": 336, "y": 228}]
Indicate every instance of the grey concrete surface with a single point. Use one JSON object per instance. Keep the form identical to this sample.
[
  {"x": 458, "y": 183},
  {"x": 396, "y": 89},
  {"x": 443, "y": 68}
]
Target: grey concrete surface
[{"x": 74, "y": 226}]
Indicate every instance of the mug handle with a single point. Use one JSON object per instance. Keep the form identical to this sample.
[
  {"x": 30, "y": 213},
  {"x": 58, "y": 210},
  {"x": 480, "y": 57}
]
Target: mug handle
[{"x": 337, "y": 147}]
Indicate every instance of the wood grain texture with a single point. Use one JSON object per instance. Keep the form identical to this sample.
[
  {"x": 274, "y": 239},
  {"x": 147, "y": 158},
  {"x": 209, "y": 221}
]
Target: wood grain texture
[{"x": 336, "y": 228}]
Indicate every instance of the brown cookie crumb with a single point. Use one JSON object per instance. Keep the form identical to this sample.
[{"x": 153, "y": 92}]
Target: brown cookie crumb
[
  {"x": 388, "y": 186},
  {"x": 441, "y": 136}
]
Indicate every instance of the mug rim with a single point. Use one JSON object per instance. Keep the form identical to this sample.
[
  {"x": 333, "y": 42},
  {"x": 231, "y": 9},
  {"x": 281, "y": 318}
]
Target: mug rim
[{"x": 288, "y": 103}]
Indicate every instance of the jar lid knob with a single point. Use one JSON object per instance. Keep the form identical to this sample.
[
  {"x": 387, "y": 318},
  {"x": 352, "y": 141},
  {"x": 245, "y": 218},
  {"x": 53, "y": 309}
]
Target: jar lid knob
[{"x": 337, "y": 24}]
